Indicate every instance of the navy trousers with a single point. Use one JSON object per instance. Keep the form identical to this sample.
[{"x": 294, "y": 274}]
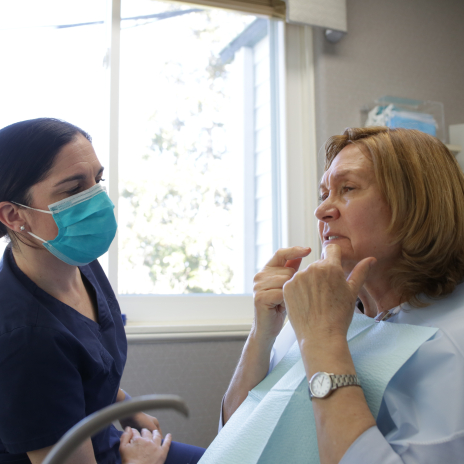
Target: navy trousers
[{"x": 180, "y": 453}]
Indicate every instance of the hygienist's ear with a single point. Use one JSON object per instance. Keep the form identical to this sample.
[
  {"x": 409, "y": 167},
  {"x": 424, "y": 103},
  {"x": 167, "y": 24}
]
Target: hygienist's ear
[{"x": 10, "y": 216}]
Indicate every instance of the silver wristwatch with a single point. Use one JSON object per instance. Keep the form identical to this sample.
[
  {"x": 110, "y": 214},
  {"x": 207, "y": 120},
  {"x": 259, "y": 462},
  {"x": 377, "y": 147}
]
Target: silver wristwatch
[{"x": 323, "y": 384}]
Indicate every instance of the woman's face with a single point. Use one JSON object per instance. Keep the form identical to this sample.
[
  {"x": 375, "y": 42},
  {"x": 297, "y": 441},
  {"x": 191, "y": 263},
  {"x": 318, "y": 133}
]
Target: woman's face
[
  {"x": 353, "y": 214},
  {"x": 76, "y": 168}
]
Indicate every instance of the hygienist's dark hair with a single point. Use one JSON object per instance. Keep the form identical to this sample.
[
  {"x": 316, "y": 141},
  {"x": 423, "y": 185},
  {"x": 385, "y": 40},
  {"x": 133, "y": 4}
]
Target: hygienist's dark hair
[{"x": 27, "y": 152}]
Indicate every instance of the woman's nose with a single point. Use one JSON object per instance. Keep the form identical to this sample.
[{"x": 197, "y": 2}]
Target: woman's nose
[{"x": 327, "y": 211}]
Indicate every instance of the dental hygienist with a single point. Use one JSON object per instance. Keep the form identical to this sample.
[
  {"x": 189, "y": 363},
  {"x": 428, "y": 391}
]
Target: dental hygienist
[{"x": 62, "y": 341}]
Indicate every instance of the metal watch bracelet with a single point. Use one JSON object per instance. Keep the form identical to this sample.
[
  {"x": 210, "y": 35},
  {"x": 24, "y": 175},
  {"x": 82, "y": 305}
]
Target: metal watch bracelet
[{"x": 344, "y": 381}]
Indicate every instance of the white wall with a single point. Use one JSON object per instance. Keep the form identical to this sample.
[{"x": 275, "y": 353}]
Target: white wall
[{"x": 409, "y": 48}]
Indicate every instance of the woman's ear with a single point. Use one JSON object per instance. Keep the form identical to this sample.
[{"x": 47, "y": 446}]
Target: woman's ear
[{"x": 10, "y": 216}]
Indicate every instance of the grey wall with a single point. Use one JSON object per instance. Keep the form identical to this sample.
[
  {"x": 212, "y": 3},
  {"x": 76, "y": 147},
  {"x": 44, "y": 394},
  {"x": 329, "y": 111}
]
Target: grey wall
[
  {"x": 197, "y": 371},
  {"x": 407, "y": 48},
  {"x": 404, "y": 48}
]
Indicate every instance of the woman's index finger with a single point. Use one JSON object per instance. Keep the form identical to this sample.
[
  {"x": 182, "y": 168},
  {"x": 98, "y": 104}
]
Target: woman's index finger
[
  {"x": 333, "y": 254},
  {"x": 282, "y": 256}
]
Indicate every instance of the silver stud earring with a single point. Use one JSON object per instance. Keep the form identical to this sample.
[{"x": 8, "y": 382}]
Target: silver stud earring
[{"x": 22, "y": 228}]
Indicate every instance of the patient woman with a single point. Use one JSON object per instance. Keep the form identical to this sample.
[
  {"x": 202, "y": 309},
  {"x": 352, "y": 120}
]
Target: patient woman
[
  {"x": 62, "y": 341},
  {"x": 391, "y": 223}
]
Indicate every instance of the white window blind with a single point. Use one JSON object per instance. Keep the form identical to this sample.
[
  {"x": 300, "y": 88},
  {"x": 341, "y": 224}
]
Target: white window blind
[
  {"x": 330, "y": 14},
  {"x": 271, "y": 8}
]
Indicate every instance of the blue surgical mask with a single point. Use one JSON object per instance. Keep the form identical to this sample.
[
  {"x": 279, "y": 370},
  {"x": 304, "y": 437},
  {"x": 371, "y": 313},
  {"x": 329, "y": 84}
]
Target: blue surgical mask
[{"x": 86, "y": 226}]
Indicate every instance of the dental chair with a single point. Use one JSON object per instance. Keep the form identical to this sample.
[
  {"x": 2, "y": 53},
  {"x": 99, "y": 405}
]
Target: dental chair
[{"x": 99, "y": 420}]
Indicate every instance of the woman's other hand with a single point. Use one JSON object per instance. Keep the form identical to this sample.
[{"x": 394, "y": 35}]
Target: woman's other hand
[
  {"x": 141, "y": 421},
  {"x": 269, "y": 317},
  {"x": 269, "y": 302},
  {"x": 144, "y": 448},
  {"x": 320, "y": 299}
]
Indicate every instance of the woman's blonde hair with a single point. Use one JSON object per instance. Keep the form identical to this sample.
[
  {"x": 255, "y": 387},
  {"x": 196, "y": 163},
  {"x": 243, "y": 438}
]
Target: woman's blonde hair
[{"x": 424, "y": 187}]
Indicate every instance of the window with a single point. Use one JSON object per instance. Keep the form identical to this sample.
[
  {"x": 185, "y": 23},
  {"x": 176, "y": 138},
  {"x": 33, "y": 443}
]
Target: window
[
  {"x": 197, "y": 161},
  {"x": 194, "y": 115},
  {"x": 195, "y": 205}
]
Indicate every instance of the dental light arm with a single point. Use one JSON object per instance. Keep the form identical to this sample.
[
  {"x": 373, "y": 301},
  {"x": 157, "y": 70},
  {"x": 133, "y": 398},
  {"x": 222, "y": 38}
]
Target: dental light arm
[{"x": 99, "y": 420}]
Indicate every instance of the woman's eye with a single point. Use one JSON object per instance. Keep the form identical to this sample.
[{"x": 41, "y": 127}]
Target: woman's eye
[
  {"x": 347, "y": 189},
  {"x": 323, "y": 197}
]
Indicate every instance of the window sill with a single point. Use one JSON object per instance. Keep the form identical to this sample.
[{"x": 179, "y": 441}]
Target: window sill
[
  {"x": 157, "y": 318},
  {"x": 149, "y": 333}
]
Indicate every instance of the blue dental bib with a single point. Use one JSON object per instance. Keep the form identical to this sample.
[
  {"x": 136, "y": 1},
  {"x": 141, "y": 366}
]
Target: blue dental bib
[{"x": 275, "y": 424}]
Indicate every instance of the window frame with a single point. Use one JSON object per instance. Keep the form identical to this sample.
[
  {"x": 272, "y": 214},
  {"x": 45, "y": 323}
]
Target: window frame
[{"x": 295, "y": 168}]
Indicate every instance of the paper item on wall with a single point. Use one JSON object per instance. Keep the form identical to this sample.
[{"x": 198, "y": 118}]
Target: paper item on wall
[{"x": 392, "y": 116}]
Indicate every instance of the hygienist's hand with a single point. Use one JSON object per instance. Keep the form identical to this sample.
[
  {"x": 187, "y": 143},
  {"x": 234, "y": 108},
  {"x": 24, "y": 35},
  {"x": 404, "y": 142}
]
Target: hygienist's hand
[
  {"x": 270, "y": 311},
  {"x": 144, "y": 448},
  {"x": 320, "y": 299},
  {"x": 141, "y": 421}
]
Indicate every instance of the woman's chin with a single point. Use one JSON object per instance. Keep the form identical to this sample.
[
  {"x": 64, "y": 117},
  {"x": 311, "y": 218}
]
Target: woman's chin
[{"x": 348, "y": 264}]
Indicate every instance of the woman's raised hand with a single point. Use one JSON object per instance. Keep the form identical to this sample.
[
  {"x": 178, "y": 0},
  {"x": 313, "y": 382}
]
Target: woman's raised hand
[
  {"x": 269, "y": 303},
  {"x": 144, "y": 448},
  {"x": 320, "y": 299}
]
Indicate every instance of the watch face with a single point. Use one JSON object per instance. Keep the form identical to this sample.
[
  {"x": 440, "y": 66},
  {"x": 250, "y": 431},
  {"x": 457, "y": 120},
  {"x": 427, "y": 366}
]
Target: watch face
[{"x": 320, "y": 384}]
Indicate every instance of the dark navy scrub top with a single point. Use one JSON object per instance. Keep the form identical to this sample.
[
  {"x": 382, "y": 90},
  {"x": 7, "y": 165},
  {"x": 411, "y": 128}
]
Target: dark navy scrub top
[{"x": 56, "y": 365}]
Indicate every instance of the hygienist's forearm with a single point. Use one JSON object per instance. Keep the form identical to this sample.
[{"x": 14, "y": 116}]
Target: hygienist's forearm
[
  {"x": 121, "y": 396},
  {"x": 251, "y": 369},
  {"x": 84, "y": 454},
  {"x": 343, "y": 416}
]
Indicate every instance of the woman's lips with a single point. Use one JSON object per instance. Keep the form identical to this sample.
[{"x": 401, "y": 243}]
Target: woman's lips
[{"x": 332, "y": 237}]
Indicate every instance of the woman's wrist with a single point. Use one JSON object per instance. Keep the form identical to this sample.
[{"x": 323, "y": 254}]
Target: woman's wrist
[
  {"x": 260, "y": 341},
  {"x": 328, "y": 356},
  {"x": 253, "y": 364}
]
